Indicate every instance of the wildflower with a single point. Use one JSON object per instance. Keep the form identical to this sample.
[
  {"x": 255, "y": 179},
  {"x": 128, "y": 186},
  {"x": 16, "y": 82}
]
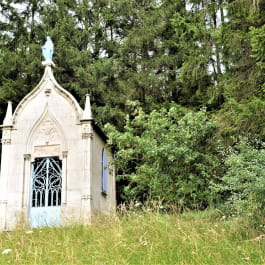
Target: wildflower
[
  {"x": 143, "y": 242},
  {"x": 137, "y": 204},
  {"x": 258, "y": 238},
  {"x": 6, "y": 251},
  {"x": 246, "y": 258}
]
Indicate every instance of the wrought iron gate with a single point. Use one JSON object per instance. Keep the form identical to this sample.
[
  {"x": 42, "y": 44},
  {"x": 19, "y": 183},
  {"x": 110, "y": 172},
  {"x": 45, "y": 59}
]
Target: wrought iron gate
[{"x": 46, "y": 190}]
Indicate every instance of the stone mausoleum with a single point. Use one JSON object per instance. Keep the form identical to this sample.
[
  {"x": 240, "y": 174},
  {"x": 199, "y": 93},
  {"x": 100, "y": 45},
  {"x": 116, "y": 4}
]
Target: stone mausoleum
[{"x": 55, "y": 168}]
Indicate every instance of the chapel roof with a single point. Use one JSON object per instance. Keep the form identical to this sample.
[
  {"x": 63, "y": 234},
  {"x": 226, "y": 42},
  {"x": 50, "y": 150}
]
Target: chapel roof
[{"x": 48, "y": 77}]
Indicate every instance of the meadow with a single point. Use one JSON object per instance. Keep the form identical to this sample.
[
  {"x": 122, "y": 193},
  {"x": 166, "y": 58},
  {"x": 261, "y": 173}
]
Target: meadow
[{"x": 140, "y": 237}]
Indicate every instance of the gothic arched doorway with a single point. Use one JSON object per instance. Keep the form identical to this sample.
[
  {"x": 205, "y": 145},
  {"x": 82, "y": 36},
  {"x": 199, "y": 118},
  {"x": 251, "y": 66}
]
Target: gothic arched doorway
[{"x": 46, "y": 192}]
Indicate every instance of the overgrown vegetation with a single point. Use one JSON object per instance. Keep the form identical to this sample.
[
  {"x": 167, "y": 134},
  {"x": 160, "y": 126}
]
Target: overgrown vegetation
[
  {"x": 141, "y": 237},
  {"x": 171, "y": 153},
  {"x": 179, "y": 83},
  {"x": 244, "y": 181}
]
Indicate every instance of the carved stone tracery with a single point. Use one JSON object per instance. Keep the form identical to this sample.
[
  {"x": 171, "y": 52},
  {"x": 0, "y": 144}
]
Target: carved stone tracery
[{"x": 47, "y": 133}]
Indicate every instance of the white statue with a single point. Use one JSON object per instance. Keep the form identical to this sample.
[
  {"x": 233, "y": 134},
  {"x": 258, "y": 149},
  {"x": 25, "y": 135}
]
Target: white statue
[{"x": 47, "y": 49}]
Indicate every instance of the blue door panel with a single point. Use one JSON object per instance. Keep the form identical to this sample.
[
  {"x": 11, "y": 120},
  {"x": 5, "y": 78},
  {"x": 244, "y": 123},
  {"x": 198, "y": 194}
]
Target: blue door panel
[{"x": 46, "y": 188}]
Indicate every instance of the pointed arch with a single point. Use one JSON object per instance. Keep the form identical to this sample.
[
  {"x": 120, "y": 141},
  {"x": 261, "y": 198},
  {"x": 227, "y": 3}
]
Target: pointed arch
[
  {"x": 48, "y": 132},
  {"x": 48, "y": 82}
]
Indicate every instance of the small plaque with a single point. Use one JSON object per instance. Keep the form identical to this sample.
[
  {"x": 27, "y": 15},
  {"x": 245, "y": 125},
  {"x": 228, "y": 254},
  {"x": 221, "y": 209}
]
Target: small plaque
[{"x": 47, "y": 150}]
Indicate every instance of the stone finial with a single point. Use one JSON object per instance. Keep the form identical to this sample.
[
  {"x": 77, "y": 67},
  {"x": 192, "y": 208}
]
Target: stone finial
[
  {"x": 8, "y": 118},
  {"x": 87, "y": 114}
]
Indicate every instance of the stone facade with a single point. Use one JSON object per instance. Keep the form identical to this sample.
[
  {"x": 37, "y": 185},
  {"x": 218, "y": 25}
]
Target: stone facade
[{"x": 49, "y": 123}]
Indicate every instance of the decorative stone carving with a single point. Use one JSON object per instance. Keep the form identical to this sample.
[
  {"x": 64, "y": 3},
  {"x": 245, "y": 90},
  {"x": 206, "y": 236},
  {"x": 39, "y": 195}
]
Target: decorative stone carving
[
  {"x": 47, "y": 91},
  {"x": 6, "y": 137},
  {"x": 27, "y": 156},
  {"x": 47, "y": 133},
  {"x": 87, "y": 131}
]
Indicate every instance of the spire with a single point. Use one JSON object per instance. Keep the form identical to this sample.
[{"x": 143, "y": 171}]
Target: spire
[
  {"x": 8, "y": 118},
  {"x": 87, "y": 114}
]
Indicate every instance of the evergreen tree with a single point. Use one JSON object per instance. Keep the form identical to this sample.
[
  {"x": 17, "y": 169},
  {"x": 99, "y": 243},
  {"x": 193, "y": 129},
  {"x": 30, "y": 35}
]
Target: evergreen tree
[
  {"x": 20, "y": 49},
  {"x": 242, "y": 113}
]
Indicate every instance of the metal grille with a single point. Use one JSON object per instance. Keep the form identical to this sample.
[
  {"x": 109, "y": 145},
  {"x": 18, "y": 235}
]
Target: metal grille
[{"x": 46, "y": 182}]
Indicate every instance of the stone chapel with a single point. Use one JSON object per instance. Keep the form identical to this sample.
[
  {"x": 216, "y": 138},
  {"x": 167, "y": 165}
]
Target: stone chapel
[{"x": 55, "y": 167}]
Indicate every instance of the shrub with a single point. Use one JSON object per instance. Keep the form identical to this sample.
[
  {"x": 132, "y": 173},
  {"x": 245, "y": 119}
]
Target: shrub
[
  {"x": 169, "y": 155},
  {"x": 244, "y": 180}
]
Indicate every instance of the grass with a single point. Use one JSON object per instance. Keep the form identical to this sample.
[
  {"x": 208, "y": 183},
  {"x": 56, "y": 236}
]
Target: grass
[{"x": 140, "y": 237}]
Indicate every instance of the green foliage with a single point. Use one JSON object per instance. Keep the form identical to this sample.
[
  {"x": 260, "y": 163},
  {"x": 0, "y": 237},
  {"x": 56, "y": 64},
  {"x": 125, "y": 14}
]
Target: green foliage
[
  {"x": 258, "y": 44},
  {"x": 244, "y": 78},
  {"x": 194, "y": 53},
  {"x": 244, "y": 118},
  {"x": 244, "y": 181},
  {"x": 169, "y": 154}
]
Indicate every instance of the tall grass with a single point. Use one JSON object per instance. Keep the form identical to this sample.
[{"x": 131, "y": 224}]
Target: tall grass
[{"x": 140, "y": 237}]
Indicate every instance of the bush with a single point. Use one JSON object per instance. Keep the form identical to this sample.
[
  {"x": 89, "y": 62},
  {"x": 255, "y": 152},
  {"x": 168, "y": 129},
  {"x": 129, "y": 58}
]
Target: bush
[
  {"x": 244, "y": 180},
  {"x": 169, "y": 155}
]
